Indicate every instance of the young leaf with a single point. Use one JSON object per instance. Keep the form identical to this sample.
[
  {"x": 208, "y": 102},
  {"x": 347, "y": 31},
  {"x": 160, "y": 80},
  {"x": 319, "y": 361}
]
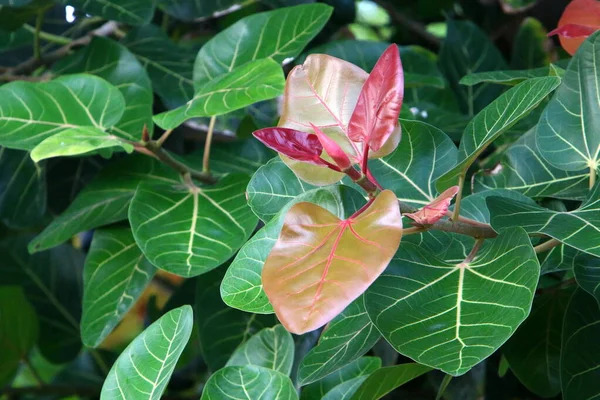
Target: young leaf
[
  {"x": 294, "y": 144},
  {"x": 578, "y": 12},
  {"x": 570, "y": 31},
  {"x": 114, "y": 276},
  {"x": 320, "y": 264},
  {"x": 332, "y": 149},
  {"x": 435, "y": 210},
  {"x": 143, "y": 370},
  {"x": 375, "y": 116},
  {"x": 485, "y": 300},
  {"x": 384, "y": 380}
]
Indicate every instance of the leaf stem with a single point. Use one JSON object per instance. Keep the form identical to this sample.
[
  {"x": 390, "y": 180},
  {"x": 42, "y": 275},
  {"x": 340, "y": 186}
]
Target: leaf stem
[
  {"x": 48, "y": 37},
  {"x": 474, "y": 250},
  {"x": 167, "y": 159},
  {"x": 461, "y": 184},
  {"x": 592, "y": 176},
  {"x": 39, "y": 20},
  {"x": 413, "y": 230},
  {"x": 546, "y": 246},
  {"x": 161, "y": 140},
  {"x": 207, "y": 144}
]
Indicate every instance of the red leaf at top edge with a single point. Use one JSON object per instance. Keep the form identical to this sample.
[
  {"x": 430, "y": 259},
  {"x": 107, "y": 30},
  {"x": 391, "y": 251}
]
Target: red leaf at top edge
[
  {"x": 295, "y": 144},
  {"x": 376, "y": 113},
  {"x": 573, "y": 31}
]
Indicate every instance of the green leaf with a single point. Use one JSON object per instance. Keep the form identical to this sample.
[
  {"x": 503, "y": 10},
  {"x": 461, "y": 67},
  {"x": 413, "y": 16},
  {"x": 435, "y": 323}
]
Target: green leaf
[
  {"x": 578, "y": 228},
  {"x": 14, "y": 3},
  {"x": 242, "y": 285},
  {"x": 71, "y": 142},
  {"x": 189, "y": 230},
  {"x": 466, "y": 50},
  {"x": 580, "y": 351},
  {"x": 510, "y": 78},
  {"x": 114, "y": 276},
  {"x": 561, "y": 258},
  {"x": 15, "y": 13},
  {"x": 52, "y": 283},
  {"x": 131, "y": 12},
  {"x": 533, "y": 352},
  {"x": 483, "y": 301},
  {"x": 111, "y": 61},
  {"x": 384, "y": 380},
  {"x": 450, "y": 247},
  {"x": 278, "y": 34},
  {"x": 272, "y": 187},
  {"x": 345, "y": 390},
  {"x": 221, "y": 328},
  {"x": 516, "y": 6},
  {"x": 346, "y": 338},
  {"x": 189, "y": 10},
  {"x": 587, "y": 273},
  {"x": 242, "y": 156},
  {"x": 22, "y": 189},
  {"x": 31, "y": 112},
  {"x": 272, "y": 348},
  {"x": 529, "y": 49},
  {"x": 143, "y": 370},
  {"x": 494, "y": 120},
  {"x": 474, "y": 206},
  {"x": 361, "y": 367},
  {"x": 252, "y": 82},
  {"x": 524, "y": 170},
  {"x": 169, "y": 66},
  {"x": 105, "y": 200},
  {"x": 568, "y": 132},
  {"x": 422, "y": 156},
  {"x": 249, "y": 382},
  {"x": 18, "y": 330}
]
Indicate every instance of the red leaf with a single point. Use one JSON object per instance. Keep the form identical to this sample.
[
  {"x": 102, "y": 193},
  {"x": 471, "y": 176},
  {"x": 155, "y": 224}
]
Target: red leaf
[
  {"x": 376, "y": 114},
  {"x": 295, "y": 144},
  {"x": 573, "y": 31},
  {"x": 333, "y": 149},
  {"x": 435, "y": 210},
  {"x": 579, "y": 20}
]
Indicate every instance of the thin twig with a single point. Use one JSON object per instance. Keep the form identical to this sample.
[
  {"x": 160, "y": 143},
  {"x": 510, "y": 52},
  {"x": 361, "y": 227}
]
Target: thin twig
[
  {"x": 39, "y": 20},
  {"x": 34, "y": 371},
  {"x": 474, "y": 251},
  {"x": 592, "y": 176},
  {"x": 48, "y": 37},
  {"x": 207, "y": 144},
  {"x": 546, "y": 246},
  {"x": 461, "y": 185},
  {"x": 413, "y": 230},
  {"x": 161, "y": 140}
]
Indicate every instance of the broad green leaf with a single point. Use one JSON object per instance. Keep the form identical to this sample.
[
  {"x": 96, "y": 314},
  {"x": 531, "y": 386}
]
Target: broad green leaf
[
  {"x": 345, "y": 390},
  {"x": 494, "y": 120},
  {"x": 252, "y": 82},
  {"x": 587, "y": 273},
  {"x": 31, "y": 112},
  {"x": 189, "y": 230},
  {"x": 114, "y": 276},
  {"x": 450, "y": 247},
  {"x": 346, "y": 338},
  {"x": 131, "y": 12},
  {"x": 562, "y": 258},
  {"x": 278, "y": 34},
  {"x": 169, "y": 66},
  {"x": 321, "y": 263},
  {"x": 533, "y": 352},
  {"x": 510, "y": 78},
  {"x": 18, "y": 330},
  {"x": 112, "y": 61},
  {"x": 222, "y": 329},
  {"x": 423, "y": 155},
  {"x": 568, "y": 132},
  {"x": 143, "y": 369},
  {"x": 466, "y": 50},
  {"x": 529, "y": 48},
  {"x": 22, "y": 189},
  {"x": 361, "y": 367},
  {"x": 52, "y": 283},
  {"x": 580, "y": 351},
  {"x": 248, "y": 382},
  {"x": 451, "y": 316},
  {"x": 189, "y": 10},
  {"x": 384, "y": 380},
  {"x": 272, "y": 348},
  {"x": 105, "y": 200},
  {"x": 79, "y": 141},
  {"x": 272, "y": 187},
  {"x": 474, "y": 206},
  {"x": 242, "y": 287},
  {"x": 578, "y": 228},
  {"x": 524, "y": 170}
]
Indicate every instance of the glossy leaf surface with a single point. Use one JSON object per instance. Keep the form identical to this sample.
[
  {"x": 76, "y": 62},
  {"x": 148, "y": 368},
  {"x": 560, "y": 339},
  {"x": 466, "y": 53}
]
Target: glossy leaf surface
[
  {"x": 435, "y": 210},
  {"x": 294, "y": 144},
  {"x": 384, "y": 380},
  {"x": 248, "y": 382}
]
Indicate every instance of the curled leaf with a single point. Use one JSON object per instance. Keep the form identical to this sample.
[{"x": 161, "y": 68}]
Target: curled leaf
[
  {"x": 376, "y": 114},
  {"x": 300, "y": 146},
  {"x": 320, "y": 264},
  {"x": 573, "y": 31},
  {"x": 332, "y": 149},
  {"x": 435, "y": 210}
]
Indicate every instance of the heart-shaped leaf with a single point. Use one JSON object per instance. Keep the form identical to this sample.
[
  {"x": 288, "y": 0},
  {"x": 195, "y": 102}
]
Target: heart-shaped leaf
[
  {"x": 114, "y": 276},
  {"x": 505, "y": 111},
  {"x": 320, "y": 264},
  {"x": 32, "y": 112},
  {"x": 143, "y": 370},
  {"x": 189, "y": 230},
  {"x": 375, "y": 117},
  {"x": 252, "y": 82},
  {"x": 132, "y": 12},
  {"x": 248, "y": 382},
  {"x": 271, "y": 348},
  {"x": 463, "y": 311},
  {"x": 346, "y": 338},
  {"x": 384, "y": 380}
]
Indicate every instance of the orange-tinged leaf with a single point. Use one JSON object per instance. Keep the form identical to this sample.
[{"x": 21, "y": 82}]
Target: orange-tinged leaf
[
  {"x": 375, "y": 117},
  {"x": 582, "y": 13},
  {"x": 320, "y": 263},
  {"x": 435, "y": 210}
]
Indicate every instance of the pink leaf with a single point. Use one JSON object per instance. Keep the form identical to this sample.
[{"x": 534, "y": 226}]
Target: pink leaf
[
  {"x": 435, "y": 210},
  {"x": 376, "y": 113},
  {"x": 573, "y": 31},
  {"x": 333, "y": 149},
  {"x": 295, "y": 144}
]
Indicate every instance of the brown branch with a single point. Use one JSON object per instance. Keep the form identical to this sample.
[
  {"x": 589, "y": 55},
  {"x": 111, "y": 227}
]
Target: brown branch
[{"x": 546, "y": 246}]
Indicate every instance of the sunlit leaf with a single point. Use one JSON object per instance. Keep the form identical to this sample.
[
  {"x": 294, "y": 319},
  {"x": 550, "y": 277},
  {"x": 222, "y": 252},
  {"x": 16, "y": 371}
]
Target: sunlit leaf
[
  {"x": 132, "y": 12},
  {"x": 143, "y": 369},
  {"x": 384, "y": 380}
]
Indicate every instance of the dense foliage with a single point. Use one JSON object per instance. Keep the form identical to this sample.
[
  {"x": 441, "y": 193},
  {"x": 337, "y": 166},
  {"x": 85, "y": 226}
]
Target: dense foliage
[{"x": 284, "y": 199}]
